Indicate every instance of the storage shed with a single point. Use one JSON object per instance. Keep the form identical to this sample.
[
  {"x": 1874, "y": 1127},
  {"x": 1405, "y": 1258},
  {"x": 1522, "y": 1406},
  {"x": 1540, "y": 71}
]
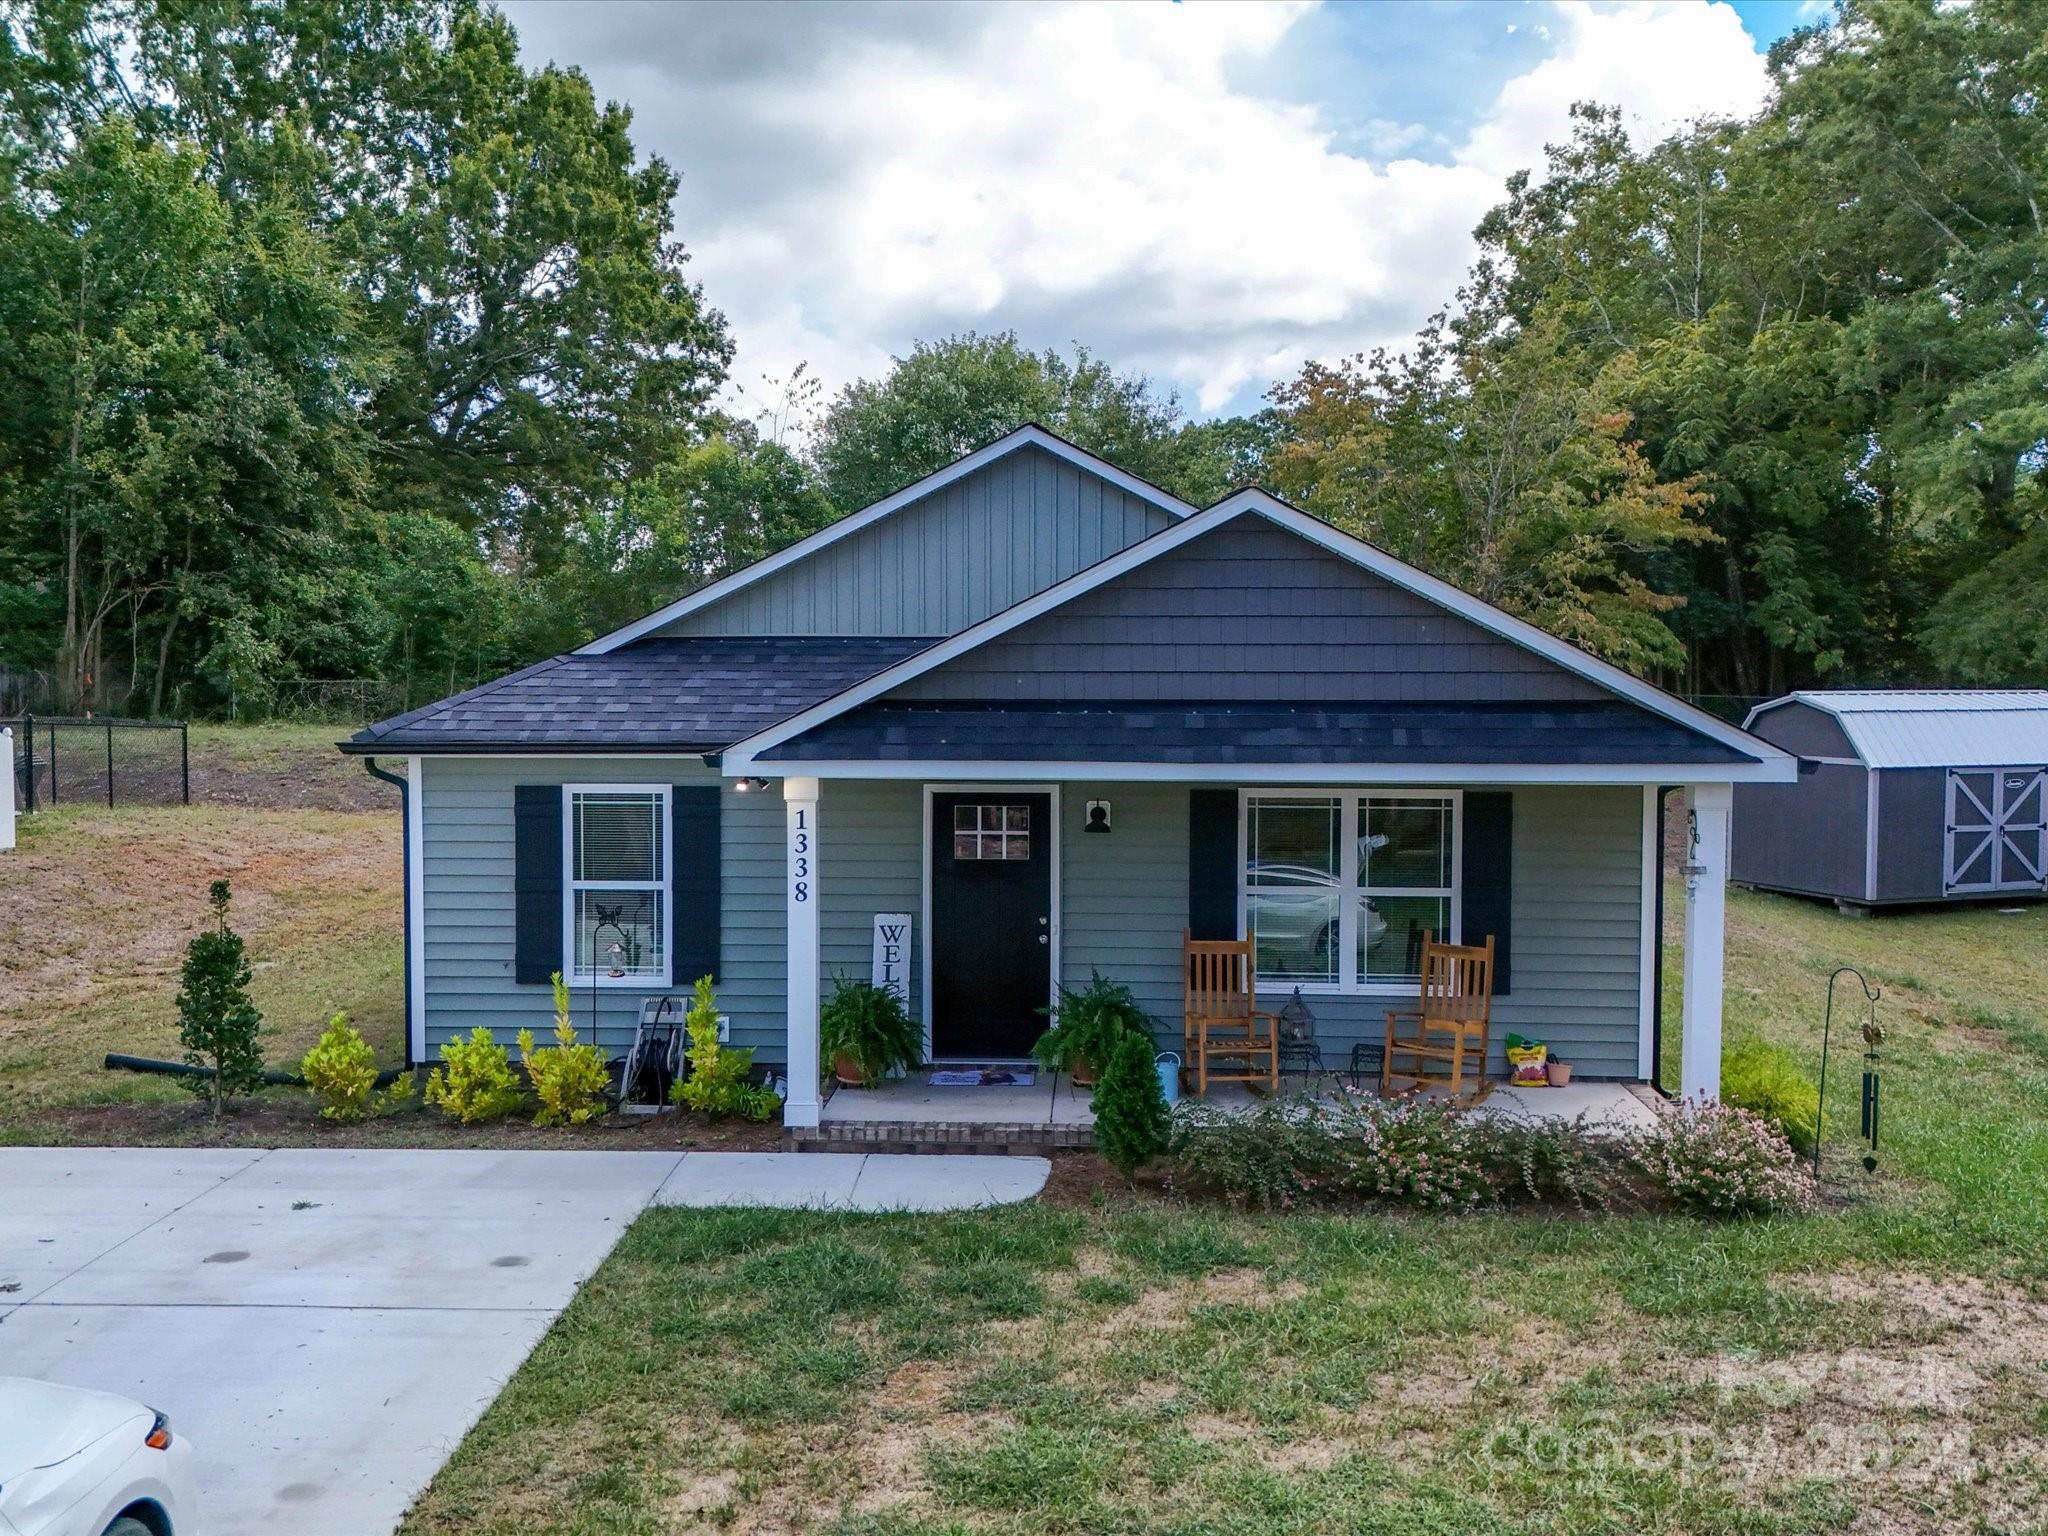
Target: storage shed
[{"x": 1903, "y": 796}]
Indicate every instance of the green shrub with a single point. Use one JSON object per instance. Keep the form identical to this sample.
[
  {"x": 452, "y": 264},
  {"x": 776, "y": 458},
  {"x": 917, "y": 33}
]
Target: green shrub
[
  {"x": 1413, "y": 1152},
  {"x": 218, "y": 1025},
  {"x": 1769, "y": 1080},
  {"x": 869, "y": 1026},
  {"x": 1721, "y": 1160},
  {"x": 1132, "y": 1122},
  {"x": 1281, "y": 1152},
  {"x": 475, "y": 1081},
  {"x": 569, "y": 1078},
  {"x": 1088, "y": 1025},
  {"x": 341, "y": 1072},
  {"x": 718, "y": 1083}
]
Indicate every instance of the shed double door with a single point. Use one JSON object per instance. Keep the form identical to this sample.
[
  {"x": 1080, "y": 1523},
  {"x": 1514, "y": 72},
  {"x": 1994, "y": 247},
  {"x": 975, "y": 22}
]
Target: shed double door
[{"x": 1997, "y": 830}]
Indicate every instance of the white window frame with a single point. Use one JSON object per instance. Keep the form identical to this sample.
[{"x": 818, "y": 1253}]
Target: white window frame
[
  {"x": 1348, "y": 798},
  {"x": 665, "y": 820}
]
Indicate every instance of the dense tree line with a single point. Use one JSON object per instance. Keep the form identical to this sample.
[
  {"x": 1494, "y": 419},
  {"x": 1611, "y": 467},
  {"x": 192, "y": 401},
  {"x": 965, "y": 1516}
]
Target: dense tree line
[{"x": 334, "y": 342}]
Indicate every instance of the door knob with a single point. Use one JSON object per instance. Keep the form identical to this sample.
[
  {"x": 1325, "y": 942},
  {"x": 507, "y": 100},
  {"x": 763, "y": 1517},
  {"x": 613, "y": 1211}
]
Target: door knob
[{"x": 1044, "y": 938}]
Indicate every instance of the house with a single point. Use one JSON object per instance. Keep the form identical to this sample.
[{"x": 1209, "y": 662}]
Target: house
[
  {"x": 1903, "y": 796},
  {"x": 1057, "y": 719}
]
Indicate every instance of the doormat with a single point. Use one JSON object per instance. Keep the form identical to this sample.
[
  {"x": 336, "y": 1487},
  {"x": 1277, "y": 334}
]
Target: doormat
[{"x": 984, "y": 1077}]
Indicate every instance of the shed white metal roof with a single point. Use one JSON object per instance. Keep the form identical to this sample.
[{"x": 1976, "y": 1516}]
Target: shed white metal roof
[{"x": 1935, "y": 727}]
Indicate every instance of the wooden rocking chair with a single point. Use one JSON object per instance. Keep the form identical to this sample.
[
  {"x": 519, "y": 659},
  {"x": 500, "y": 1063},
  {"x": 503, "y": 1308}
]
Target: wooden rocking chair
[
  {"x": 1221, "y": 1016},
  {"x": 1444, "y": 1037}
]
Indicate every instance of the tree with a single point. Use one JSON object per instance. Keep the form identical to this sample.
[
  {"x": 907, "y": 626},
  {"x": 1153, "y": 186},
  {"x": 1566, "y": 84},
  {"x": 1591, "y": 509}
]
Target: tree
[
  {"x": 1132, "y": 1122},
  {"x": 219, "y": 1026},
  {"x": 952, "y": 396},
  {"x": 1508, "y": 467}
]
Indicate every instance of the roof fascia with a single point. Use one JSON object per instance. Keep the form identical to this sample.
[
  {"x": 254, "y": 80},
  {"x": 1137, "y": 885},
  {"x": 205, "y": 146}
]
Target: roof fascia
[{"x": 1028, "y": 436}]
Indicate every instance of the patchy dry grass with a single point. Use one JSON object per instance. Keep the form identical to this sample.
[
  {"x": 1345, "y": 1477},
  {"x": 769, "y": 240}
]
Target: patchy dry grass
[
  {"x": 1877, "y": 1368},
  {"x": 96, "y": 905}
]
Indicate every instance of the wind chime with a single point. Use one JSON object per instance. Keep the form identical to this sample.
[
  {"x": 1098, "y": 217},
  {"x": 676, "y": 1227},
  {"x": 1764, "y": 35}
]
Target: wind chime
[{"x": 1873, "y": 1037}]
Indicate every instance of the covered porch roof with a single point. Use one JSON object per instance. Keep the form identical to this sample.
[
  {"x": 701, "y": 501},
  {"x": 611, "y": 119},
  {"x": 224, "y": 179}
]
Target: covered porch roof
[{"x": 1307, "y": 735}]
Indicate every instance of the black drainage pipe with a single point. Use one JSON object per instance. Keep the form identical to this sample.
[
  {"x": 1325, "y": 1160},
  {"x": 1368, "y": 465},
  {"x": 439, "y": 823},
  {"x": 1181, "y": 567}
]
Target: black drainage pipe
[{"x": 116, "y": 1062}]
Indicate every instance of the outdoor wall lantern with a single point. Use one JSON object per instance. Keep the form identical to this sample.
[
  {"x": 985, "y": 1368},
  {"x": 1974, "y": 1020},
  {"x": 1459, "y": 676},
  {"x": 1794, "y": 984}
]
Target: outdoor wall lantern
[{"x": 1098, "y": 816}]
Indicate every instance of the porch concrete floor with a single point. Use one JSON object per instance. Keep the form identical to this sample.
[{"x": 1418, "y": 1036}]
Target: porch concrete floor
[
  {"x": 1050, "y": 1101},
  {"x": 1055, "y": 1101}
]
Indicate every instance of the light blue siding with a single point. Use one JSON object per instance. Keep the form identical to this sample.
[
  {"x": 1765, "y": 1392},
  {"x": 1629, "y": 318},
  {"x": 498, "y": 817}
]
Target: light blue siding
[
  {"x": 869, "y": 842},
  {"x": 1577, "y": 914},
  {"x": 1577, "y": 905},
  {"x": 970, "y": 549}
]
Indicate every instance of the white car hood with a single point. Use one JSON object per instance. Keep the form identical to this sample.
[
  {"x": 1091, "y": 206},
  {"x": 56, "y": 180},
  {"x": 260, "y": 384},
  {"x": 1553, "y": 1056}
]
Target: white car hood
[{"x": 43, "y": 1424}]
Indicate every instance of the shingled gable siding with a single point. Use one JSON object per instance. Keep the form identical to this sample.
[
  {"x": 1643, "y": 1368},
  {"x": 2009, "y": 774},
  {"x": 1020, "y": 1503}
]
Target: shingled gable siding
[
  {"x": 870, "y": 840},
  {"x": 936, "y": 566},
  {"x": 1576, "y": 920},
  {"x": 1250, "y": 613}
]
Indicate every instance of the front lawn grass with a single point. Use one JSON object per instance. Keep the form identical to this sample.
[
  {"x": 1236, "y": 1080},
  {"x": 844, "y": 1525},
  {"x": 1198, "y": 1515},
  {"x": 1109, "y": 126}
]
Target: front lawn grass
[{"x": 1134, "y": 1366}]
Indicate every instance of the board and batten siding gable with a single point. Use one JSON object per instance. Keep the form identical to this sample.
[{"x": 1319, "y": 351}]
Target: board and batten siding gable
[
  {"x": 1250, "y": 613},
  {"x": 1576, "y": 913},
  {"x": 944, "y": 562}
]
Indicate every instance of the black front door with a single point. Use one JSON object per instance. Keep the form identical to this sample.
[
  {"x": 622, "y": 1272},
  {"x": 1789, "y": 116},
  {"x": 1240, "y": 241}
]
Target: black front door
[{"x": 991, "y": 938}]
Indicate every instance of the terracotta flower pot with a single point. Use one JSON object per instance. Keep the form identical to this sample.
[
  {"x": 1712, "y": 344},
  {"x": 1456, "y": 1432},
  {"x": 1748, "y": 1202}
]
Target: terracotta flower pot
[
  {"x": 1082, "y": 1072},
  {"x": 847, "y": 1070},
  {"x": 1559, "y": 1072}
]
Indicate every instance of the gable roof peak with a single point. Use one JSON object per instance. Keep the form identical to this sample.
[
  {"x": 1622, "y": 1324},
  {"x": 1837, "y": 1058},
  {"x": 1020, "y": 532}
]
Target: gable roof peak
[{"x": 1029, "y": 435}]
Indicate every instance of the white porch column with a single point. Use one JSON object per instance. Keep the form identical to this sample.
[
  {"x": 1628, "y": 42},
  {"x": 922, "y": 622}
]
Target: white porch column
[
  {"x": 800, "y": 819},
  {"x": 7, "y": 788},
  {"x": 1706, "y": 900}
]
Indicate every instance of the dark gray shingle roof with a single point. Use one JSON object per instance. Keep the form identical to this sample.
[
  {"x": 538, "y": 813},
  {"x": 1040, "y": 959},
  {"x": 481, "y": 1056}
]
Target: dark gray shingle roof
[
  {"x": 1566, "y": 734},
  {"x": 690, "y": 695}
]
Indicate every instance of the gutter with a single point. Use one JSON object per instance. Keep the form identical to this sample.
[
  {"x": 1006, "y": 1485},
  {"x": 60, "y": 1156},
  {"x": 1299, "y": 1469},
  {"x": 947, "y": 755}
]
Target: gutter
[{"x": 405, "y": 883}]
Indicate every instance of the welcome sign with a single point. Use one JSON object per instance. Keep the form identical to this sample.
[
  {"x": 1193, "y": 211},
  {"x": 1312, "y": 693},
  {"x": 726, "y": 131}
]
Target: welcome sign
[{"x": 891, "y": 962}]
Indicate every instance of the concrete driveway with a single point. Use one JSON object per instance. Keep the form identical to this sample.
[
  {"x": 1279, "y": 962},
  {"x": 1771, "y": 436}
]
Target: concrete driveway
[{"x": 327, "y": 1325}]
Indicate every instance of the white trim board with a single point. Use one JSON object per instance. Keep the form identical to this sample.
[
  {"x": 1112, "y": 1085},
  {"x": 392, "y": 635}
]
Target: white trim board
[
  {"x": 1391, "y": 775},
  {"x": 744, "y": 756},
  {"x": 416, "y": 888},
  {"x": 1028, "y": 436}
]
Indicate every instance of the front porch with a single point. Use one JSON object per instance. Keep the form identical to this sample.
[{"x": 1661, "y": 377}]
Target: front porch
[
  {"x": 980, "y": 899},
  {"x": 1052, "y": 1112}
]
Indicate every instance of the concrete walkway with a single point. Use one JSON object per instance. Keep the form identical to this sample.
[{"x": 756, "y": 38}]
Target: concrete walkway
[{"x": 327, "y": 1325}]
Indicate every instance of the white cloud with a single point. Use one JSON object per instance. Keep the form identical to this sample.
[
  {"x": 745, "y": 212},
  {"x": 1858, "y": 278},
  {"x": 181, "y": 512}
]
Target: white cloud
[{"x": 857, "y": 179}]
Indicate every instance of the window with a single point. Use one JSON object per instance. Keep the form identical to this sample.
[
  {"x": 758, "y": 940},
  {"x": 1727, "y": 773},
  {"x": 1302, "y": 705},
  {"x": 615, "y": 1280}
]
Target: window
[
  {"x": 991, "y": 831},
  {"x": 1340, "y": 888},
  {"x": 617, "y": 886}
]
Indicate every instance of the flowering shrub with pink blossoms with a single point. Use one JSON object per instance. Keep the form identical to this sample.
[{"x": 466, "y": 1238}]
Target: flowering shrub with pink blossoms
[
  {"x": 1719, "y": 1160},
  {"x": 1707, "y": 1159}
]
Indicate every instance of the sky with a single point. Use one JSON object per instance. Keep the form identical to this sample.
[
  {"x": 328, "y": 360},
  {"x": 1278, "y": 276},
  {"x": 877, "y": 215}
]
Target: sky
[{"x": 1207, "y": 193}]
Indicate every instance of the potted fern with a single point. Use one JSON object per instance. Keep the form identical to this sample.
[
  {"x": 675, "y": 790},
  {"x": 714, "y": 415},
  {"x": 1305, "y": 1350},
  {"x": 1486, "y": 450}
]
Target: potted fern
[
  {"x": 1087, "y": 1026},
  {"x": 867, "y": 1033}
]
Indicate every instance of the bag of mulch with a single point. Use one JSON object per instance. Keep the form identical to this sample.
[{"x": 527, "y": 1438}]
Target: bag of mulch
[{"x": 1527, "y": 1062}]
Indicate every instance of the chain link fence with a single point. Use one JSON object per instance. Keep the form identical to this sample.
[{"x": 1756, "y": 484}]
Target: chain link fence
[{"x": 79, "y": 760}]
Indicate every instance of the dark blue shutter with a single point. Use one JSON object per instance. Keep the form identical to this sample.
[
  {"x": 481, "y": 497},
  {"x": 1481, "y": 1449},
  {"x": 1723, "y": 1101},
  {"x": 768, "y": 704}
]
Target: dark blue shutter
[
  {"x": 1489, "y": 875},
  {"x": 537, "y": 883},
  {"x": 693, "y": 886},
  {"x": 1212, "y": 863}
]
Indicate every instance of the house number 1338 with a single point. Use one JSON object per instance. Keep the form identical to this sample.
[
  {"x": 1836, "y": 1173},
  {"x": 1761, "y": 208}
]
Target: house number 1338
[{"x": 800, "y": 859}]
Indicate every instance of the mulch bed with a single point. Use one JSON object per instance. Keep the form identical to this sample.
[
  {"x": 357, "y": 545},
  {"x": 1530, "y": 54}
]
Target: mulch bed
[{"x": 282, "y": 1119}]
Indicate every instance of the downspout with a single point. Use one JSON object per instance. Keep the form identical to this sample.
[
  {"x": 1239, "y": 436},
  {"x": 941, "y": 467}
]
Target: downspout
[{"x": 405, "y": 854}]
